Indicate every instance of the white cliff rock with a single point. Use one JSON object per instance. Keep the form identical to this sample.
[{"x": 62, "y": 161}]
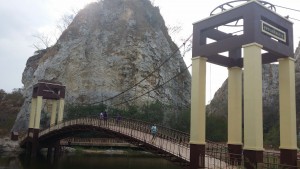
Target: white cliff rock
[{"x": 109, "y": 47}]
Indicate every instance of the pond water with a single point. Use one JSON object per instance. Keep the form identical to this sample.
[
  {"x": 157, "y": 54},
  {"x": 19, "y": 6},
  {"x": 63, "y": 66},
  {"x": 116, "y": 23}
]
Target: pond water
[{"x": 124, "y": 159}]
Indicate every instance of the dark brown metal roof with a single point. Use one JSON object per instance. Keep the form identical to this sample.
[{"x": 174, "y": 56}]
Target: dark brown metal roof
[
  {"x": 253, "y": 15},
  {"x": 49, "y": 90}
]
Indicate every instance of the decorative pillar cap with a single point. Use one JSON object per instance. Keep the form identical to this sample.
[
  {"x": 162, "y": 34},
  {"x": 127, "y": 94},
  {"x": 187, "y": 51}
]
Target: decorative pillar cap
[{"x": 252, "y": 44}]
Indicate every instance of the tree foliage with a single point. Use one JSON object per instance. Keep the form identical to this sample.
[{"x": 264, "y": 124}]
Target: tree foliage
[
  {"x": 180, "y": 120},
  {"x": 150, "y": 112},
  {"x": 271, "y": 137},
  {"x": 74, "y": 111},
  {"x": 216, "y": 128},
  {"x": 10, "y": 104}
]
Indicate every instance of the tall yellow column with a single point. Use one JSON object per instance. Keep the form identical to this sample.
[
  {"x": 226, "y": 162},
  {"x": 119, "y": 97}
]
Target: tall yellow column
[
  {"x": 32, "y": 113},
  {"x": 235, "y": 114},
  {"x": 53, "y": 112},
  {"x": 38, "y": 112},
  {"x": 235, "y": 106},
  {"x": 253, "y": 124},
  {"x": 197, "y": 132},
  {"x": 61, "y": 110},
  {"x": 288, "y": 133}
]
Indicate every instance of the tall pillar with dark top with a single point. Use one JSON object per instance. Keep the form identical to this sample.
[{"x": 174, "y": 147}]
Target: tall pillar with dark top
[
  {"x": 32, "y": 116},
  {"x": 36, "y": 128},
  {"x": 61, "y": 110},
  {"x": 197, "y": 132},
  {"x": 253, "y": 124},
  {"x": 44, "y": 90},
  {"x": 287, "y": 114},
  {"x": 53, "y": 112},
  {"x": 235, "y": 114}
]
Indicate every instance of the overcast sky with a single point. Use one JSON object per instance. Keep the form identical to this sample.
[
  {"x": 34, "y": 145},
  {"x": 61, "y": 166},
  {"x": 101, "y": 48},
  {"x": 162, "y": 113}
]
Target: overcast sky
[{"x": 22, "y": 18}]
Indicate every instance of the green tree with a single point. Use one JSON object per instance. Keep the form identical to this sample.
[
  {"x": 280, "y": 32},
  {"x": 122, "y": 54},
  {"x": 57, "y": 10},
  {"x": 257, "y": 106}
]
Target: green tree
[
  {"x": 10, "y": 105},
  {"x": 181, "y": 120},
  {"x": 76, "y": 111},
  {"x": 216, "y": 128},
  {"x": 271, "y": 138}
]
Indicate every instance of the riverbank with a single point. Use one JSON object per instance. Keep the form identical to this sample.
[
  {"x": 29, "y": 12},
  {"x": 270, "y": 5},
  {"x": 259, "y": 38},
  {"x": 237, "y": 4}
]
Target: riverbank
[
  {"x": 7, "y": 146},
  {"x": 116, "y": 159}
]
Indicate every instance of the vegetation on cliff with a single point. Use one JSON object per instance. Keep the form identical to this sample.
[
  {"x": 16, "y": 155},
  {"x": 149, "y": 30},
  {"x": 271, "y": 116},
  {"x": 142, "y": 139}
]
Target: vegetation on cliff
[
  {"x": 154, "y": 112},
  {"x": 10, "y": 104}
]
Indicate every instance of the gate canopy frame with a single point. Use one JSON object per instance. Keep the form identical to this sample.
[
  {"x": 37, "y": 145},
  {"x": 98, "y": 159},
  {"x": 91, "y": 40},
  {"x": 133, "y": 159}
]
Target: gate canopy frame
[
  {"x": 254, "y": 14},
  {"x": 263, "y": 29},
  {"x": 49, "y": 90}
]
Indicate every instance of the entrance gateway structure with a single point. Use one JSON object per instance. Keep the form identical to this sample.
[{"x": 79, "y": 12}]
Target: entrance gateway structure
[
  {"x": 262, "y": 30},
  {"x": 53, "y": 91}
]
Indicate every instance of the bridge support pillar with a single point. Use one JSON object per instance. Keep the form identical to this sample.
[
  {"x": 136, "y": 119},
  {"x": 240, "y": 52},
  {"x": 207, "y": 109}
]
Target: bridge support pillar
[
  {"x": 37, "y": 118},
  {"x": 253, "y": 124},
  {"x": 287, "y": 114},
  {"x": 252, "y": 158},
  {"x": 197, "y": 156},
  {"x": 32, "y": 115},
  {"x": 235, "y": 115},
  {"x": 36, "y": 126},
  {"x": 61, "y": 110},
  {"x": 49, "y": 153},
  {"x": 35, "y": 143},
  {"x": 53, "y": 112},
  {"x": 197, "y": 132},
  {"x": 56, "y": 150}
]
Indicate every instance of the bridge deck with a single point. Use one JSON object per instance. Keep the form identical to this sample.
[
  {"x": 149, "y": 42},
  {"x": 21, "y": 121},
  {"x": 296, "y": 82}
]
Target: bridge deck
[{"x": 172, "y": 142}]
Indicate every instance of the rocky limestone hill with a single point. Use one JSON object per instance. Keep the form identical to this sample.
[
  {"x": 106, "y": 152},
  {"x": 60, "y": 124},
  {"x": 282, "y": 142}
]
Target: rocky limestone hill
[
  {"x": 270, "y": 75},
  {"x": 109, "y": 47}
]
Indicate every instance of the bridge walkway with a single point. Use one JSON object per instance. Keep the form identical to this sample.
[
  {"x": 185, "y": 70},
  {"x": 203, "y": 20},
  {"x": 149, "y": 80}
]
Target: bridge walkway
[{"x": 170, "y": 142}]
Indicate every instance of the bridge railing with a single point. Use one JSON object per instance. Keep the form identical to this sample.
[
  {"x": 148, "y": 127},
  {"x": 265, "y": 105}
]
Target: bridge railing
[
  {"x": 168, "y": 140},
  {"x": 172, "y": 141},
  {"x": 163, "y": 132}
]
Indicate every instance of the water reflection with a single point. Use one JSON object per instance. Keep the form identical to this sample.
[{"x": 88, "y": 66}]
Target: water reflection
[{"x": 128, "y": 160}]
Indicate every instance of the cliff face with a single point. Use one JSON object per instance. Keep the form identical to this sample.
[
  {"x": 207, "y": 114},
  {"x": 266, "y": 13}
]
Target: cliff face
[
  {"x": 270, "y": 86},
  {"x": 109, "y": 47}
]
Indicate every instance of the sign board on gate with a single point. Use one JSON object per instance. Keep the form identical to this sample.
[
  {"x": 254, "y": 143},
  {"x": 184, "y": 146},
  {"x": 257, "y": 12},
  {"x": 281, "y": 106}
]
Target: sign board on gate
[{"x": 273, "y": 31}]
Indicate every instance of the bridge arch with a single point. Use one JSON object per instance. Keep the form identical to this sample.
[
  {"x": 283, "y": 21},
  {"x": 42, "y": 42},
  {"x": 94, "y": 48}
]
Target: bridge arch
[{"x": 169, "y": 143}]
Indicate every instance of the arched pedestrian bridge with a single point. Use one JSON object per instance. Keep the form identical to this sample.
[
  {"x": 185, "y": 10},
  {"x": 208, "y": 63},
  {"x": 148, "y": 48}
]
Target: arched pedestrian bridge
[{"x": 169, "y": 143}]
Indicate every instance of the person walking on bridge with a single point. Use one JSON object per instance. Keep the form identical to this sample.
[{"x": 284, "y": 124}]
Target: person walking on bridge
[
  {"x": 105, "y": 116},
  {"x": 101, "y": 115},
  {"x": 153, "y": 132},
  {"x": 118, "y": 118}
]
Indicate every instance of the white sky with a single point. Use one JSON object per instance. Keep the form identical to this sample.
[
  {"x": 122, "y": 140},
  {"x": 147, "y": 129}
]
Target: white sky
[{"x": 22, "y": 18}]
